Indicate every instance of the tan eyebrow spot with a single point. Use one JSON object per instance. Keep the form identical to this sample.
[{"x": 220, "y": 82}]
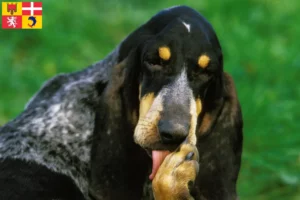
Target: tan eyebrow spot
[
  {"x": 203, "y": 61},
  {"x": 164, "y": 53}
]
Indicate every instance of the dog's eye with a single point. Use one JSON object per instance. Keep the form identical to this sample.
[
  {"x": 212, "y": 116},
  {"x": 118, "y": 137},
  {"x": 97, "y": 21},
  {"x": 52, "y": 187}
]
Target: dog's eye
[
  {"x": 152, "y": 67},
  {"x": 194, "y": 75}
]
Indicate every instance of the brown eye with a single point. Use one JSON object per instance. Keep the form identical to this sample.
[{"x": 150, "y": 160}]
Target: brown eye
[
  {"x": 195, "y": 75},
  {"x": 152, "y": 67}
]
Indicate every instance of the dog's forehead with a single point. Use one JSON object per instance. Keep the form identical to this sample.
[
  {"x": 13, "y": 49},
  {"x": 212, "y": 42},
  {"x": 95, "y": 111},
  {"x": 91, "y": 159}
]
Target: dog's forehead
[
  {"x": 184, "y": 26},
  {"x": 186, "y": 34},
  {"x": 187, "y": 26}
]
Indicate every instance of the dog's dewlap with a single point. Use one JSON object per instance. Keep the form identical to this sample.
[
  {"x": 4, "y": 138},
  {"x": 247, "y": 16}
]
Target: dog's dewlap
[
  {"x": 203, "y": 61},
  {"x": 164, "y": 53}
]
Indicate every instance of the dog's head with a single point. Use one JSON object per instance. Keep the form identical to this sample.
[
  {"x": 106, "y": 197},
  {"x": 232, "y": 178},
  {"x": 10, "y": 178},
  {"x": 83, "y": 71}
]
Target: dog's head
[{"x": 175, "y": 67}]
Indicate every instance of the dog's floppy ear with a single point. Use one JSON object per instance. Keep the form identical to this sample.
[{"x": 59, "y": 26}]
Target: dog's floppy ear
[
  {"x": 132, "y": 43},
  {"x": 215, "y": 91},
  {"x": 130, "y": 90},
  {"x": 130, "y": 50},
  {"x": 111, "y": 140},
  {"x": 220, "y": 140},
  {"x": 122, "y": 88},
  {"x": 214, "y": 96},
  {"x": 221, "y": 105},
  {"x": 111, "y": 94}
]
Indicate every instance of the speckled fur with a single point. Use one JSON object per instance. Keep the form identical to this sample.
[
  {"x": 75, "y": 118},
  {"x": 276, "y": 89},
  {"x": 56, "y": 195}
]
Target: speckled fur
[
  {"x": 56, "y": 126},
  {"x": 56, "y": 129}
]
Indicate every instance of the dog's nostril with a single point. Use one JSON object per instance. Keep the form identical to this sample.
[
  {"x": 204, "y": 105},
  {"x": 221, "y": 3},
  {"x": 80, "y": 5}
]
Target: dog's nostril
[
  {"x": 172, "y": 132},
  {"x": 166, "y": 137}
]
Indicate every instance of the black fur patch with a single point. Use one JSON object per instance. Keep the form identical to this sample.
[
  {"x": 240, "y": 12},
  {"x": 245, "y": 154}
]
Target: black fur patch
[{"x": 28, "y": 180}]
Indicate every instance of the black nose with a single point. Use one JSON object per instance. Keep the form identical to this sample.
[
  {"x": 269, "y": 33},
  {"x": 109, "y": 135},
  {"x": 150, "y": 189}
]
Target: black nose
[{"x": 172, "y": 132}]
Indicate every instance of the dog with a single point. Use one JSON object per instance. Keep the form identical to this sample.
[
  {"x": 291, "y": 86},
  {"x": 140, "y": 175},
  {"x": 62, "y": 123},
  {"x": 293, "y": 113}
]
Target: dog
[{"x": 159, "y": 104}]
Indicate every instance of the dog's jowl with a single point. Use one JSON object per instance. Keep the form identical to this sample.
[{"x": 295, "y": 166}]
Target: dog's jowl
[{"x": 157, "y": 118}]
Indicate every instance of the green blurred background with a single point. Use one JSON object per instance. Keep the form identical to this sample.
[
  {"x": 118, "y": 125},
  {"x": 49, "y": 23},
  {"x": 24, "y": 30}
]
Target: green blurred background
[{"x": 260, "y": 39}]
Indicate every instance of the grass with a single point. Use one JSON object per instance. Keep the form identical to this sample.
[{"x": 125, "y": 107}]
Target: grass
[{"x": 260, "y": 39}]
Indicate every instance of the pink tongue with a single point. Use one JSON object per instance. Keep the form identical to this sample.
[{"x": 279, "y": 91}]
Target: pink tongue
[{"x": 157, "y": 159}]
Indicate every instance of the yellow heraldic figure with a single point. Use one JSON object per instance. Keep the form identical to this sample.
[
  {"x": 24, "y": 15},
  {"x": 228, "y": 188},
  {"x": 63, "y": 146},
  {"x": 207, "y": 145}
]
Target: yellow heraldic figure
[
  {"x": 32, "y": 22},
  {"x": 11, "y": 8},
  {"x": 32, "y": 15}
]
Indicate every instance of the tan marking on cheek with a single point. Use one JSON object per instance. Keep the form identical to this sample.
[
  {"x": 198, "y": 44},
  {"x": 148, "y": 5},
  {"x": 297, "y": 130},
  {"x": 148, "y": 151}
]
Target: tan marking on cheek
[
  {"x": 146, "y": 132},
  {"x": 198, "y": 106},
  {"x": 145, "y": 104},
  {"x": 205, "y": 124},
  {"x": 203, "y": 61},
  {"x": 164, "y": 53}
]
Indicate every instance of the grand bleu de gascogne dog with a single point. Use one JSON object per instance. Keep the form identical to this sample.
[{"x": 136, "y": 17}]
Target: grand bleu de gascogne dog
[{"x": 158, "y": 118}]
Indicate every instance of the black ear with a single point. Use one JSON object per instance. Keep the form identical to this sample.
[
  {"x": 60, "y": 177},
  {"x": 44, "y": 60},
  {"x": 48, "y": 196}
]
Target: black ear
[
  {"x": 122, "y": 90},
  {"x": 130, "y": 91},
  {"x": 215, "y": 90},
  {"x": 112, "y": 142},
  {"x": 133, "y": 41},
  {"x": 222, "y": 129}
]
